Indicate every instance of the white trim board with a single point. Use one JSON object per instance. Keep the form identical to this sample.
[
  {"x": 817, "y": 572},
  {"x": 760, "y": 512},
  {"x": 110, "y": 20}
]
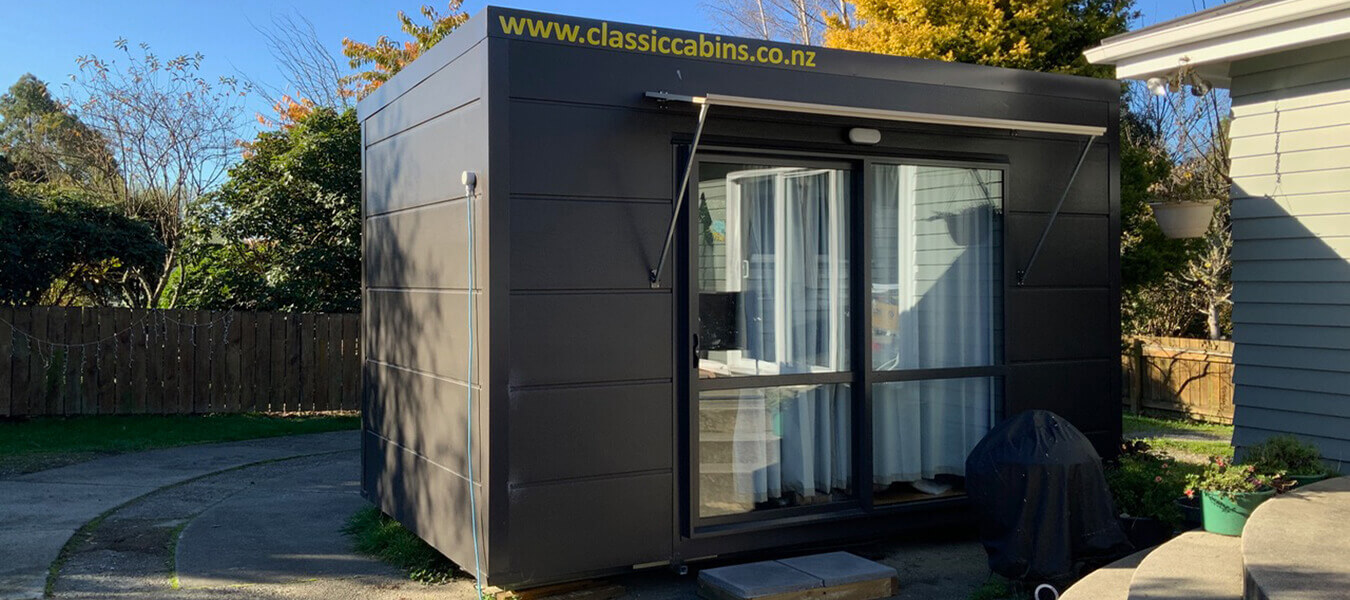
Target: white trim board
[{"x": 1210, "y": 45}]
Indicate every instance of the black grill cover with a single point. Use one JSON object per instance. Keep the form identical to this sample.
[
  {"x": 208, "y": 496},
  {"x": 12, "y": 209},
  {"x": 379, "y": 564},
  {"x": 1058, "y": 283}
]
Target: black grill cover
[{"x": 1040, "y": 495}]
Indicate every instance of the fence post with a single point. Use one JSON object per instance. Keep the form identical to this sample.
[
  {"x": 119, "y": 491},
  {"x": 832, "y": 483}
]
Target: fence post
[{"x": 1137, "y": 374}]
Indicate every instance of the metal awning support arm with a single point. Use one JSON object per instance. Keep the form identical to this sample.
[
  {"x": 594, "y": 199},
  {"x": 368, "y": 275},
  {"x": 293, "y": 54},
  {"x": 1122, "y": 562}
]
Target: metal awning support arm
[
  {"x": 655, "y": 274},
  {"x": 1022, "y": 273}
]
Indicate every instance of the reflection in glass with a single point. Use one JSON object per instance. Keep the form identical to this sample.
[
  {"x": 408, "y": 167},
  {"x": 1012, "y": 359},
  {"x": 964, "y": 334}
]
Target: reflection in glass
[
  {"x": 922, "y": 432},
  {"x": 773, "y": 249},
  {"x": 936, "y": 266},
  {"x": 765, "y": 448}
]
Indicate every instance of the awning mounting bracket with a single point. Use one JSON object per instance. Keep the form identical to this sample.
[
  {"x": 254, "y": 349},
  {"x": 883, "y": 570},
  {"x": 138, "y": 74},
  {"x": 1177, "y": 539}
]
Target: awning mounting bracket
[
  {"x": 655, "y": 274},
  {"x": 1022, "y": 272}
]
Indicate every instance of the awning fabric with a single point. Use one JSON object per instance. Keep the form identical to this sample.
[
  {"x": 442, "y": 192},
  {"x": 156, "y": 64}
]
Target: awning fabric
[{"x": 879, "y": 114}]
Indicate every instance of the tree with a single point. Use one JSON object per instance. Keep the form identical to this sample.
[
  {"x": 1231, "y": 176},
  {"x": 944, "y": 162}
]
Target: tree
[
  {"x": 172, "y": 134},
  {"x": 1038, "y": 35},
  {"x": 310, "y": 71},
  {"x": 384, "y": 58},
  {"x": 284, "y": 231},
  {"x": 797, "y": 21},
  {"x": 62, "y": 248},
  {"x": 43, "y": 142},
  {"x": 1175, "y": 287}
]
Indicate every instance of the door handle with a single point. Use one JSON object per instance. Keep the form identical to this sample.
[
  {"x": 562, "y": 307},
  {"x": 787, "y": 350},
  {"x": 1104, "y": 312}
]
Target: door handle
[{"x": 695, "y": 350}]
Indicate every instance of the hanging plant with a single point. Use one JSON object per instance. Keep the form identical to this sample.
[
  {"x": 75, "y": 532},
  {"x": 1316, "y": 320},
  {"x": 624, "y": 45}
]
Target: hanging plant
[{"x": 1183, "y": 202}]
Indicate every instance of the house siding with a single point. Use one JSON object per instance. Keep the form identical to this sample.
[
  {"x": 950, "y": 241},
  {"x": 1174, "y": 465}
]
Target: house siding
[
  {"x": 417, "y": 294},
  {"x": 1291, "y": 256}
]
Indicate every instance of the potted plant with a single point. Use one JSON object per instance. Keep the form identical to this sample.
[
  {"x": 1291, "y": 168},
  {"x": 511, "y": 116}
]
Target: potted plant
[
  {"x": 1300, "y": 461},
  {"x": 1183, "y": 201},
  {"x": 1145, "y": 485},
  {"x": 1229, "y": 493}
]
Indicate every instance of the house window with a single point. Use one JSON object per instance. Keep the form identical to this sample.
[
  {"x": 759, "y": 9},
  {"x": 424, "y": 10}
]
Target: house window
[{"x": 936, "y": 330}]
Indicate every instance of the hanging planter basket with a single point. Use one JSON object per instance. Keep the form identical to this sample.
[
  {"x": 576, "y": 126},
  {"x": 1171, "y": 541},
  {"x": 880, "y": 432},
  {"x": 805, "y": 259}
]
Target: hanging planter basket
[{"x": 1188, "y": 219}]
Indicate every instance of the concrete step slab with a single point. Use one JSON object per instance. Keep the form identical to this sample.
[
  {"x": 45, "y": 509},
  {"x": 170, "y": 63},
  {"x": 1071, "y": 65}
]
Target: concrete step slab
[
  {"x": 836, "y": 575},
  {"x": 1195, "y": 565},
  {"x": 1111, "y": 582},
  {"x": 1295, "y": 545}
]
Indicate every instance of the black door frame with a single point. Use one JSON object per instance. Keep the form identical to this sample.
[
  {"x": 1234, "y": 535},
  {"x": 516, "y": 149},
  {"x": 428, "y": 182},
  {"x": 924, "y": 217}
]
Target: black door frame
[{"x": 860, "y": 374}]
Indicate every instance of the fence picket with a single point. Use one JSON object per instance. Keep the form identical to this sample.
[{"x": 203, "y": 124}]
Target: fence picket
[
  {"x": 6, "y": 361},
  {"x": 294, "y": 348},
  {"x": 262, "y": 356},
  {"x": 351, "y": 362},
  {"x": 309, "y": 363},
  {"x": 277, "y": 364}
]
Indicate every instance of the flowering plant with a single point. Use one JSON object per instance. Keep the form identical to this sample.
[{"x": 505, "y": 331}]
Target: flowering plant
[
  {"x": 1224, "y": 477},
  {"x": 1145, "y": 483},
  {"x": 1188, "y": 181}
]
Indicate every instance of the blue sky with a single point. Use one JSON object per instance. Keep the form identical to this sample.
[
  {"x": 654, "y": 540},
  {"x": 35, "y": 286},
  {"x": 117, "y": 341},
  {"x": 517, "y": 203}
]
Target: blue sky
[{"x": 45, "y": 37}]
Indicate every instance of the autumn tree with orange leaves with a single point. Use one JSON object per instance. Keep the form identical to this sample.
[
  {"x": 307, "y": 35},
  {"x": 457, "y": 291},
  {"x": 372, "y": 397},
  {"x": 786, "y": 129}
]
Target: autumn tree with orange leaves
[{"x": 377, "y": 62}]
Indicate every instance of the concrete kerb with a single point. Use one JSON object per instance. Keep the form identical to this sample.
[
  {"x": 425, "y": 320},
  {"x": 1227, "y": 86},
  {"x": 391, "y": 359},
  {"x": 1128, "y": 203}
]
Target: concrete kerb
[{"x": 46, "y": 511}]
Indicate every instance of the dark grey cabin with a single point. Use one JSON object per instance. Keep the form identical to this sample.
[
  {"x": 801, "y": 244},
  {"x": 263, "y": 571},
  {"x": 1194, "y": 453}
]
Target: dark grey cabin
[{"x": 847, "y": 304}]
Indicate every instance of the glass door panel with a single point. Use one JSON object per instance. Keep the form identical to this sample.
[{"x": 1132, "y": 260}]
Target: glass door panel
[
  {"x": 773, "y": 270},
  {"x": 774, "y": 447},
  {"x": 772, "y": 275}
]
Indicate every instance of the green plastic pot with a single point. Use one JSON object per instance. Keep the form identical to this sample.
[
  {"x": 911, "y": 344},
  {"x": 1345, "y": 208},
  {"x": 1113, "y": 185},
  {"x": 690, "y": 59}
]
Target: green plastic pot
[
  {"x": 1226, "y": 514},
  {"x": 1307, "y": 479}
]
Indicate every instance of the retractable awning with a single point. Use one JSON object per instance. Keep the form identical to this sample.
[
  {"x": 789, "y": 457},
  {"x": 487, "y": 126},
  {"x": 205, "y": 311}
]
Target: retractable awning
[
  {"x": 878, "y": 113},
  {"x": 704, "y": 102}
]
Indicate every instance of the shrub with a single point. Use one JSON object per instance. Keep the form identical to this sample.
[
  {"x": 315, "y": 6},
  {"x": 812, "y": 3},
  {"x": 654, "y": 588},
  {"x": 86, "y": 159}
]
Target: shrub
[
  {"x": 1285, "y": 454},
  {"x": 1146, "y": 484}
]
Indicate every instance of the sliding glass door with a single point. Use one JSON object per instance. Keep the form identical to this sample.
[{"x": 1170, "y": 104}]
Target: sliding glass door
[
  {"x": 936, "y": 327},
  {"x": 775, "y": 409},
  {"x": 784, "y": 368}
]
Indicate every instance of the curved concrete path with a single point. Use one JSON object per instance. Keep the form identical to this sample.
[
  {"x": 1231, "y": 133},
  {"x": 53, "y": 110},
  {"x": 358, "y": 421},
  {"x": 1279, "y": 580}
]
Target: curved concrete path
[{"x": 39, "y": 512}]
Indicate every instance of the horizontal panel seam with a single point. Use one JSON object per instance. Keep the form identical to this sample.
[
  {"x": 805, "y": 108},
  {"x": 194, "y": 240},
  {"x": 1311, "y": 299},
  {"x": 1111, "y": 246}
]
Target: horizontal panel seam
[
  {"x": 635, "y": 291},
  {"x": 588, "y": 385},
  {"x": 420, "y": 455},
  {"x": 422, "y": 373},
  {"x": 519, "y": 485},
  {"x": 418, "y": 124},
  {"x": 404, "y": 209},
  {"x": 542, "y": 197},
  {"x": 438, "y": 70}
]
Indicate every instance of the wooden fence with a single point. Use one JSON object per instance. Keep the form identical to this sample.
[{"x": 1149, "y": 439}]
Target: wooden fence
[
  {"x": 1180, "y": 377},
  {"x": 74, "y": 361}
]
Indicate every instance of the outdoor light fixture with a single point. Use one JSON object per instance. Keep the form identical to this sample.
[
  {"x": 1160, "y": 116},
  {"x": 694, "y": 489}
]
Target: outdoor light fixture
[
  {"x": 1199, "y": 87},
  {"x": 1157, "y": 85},
  {"x": 864, "y": 136}
]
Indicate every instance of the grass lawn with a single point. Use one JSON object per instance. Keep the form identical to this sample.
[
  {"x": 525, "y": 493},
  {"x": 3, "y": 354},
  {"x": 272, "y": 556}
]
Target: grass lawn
[
  {"x": 47, "y": 442},
  {"x": 1188, "y": 441},
  {"x": 384, "y": 538}
]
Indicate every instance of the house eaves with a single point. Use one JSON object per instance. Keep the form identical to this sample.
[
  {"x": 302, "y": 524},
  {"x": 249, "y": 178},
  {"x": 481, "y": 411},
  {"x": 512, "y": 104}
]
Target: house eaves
[{"x": 1209, "y": 41}]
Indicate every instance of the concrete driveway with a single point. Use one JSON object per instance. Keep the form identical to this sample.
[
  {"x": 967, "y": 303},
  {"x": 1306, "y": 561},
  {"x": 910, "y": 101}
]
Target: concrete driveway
[{"x": 263, "y": 520}]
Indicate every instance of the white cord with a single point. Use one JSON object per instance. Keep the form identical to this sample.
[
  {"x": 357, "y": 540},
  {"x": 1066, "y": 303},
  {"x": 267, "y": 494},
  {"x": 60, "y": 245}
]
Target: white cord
[{"x": 468, "y": 420}]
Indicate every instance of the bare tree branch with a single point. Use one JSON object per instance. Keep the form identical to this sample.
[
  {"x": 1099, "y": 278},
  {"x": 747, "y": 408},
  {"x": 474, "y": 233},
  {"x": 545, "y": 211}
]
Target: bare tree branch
[
  {"x": 311, "y": 71},
  {"x": 172, "y": 133}
]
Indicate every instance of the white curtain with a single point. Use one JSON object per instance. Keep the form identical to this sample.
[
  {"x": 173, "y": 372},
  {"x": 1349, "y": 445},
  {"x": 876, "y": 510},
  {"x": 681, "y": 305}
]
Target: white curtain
[
  {"x": 935, "y": 293},
  {"x": 793, "y": 319}
]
